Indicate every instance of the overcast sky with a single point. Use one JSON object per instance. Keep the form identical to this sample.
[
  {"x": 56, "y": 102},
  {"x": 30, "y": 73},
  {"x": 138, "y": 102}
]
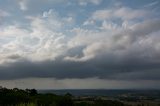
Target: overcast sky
[{"x": 67, "y": 44}]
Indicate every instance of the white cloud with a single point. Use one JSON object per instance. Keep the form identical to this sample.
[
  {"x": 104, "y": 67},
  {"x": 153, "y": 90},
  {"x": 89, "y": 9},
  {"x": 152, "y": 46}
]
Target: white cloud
[
  {"x": 108, "y": 44},
  {"x": 123, "y": 13},
  {"x": 116, "y": 42},
  {"x": 102, "y": 14},
  {"x": 42, "y": 41},
  {"x": 23, "y": 4},
  {"x": 109, "y": 25},
  {"x": 45, "y": 38},
  {"x": 89, "y": 22},
  {"x": 152, "y": 4},
  {"x": 85, "y": 2}
]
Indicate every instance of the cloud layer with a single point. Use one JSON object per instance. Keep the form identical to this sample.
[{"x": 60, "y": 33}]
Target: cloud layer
[{"x": 119, "y": 43}]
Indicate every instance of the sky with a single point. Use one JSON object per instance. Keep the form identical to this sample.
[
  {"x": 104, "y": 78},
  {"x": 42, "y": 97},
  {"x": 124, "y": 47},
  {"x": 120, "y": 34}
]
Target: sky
[{"x": 80, "y": 44}]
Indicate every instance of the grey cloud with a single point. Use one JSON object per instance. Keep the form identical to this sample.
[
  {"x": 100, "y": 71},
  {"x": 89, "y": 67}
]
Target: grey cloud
[
  {"x": 145, "y": 74},
  {"x": 104, "y": 67},
  {"x": 113, "y": 59},
  {"x": 3, "y": 13},
  {"x": 14, "y": 56},
  {"x": 127, "y": 54},
  {"x": 145, "y": 28},
  {"x": 58, "y": 69},
  {"x": 123, "y": 13}
]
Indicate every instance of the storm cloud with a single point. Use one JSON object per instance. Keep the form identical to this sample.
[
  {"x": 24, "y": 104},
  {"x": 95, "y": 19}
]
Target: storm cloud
[
  {"x": 132, "y": 54},
  {"x": 114, "y": 43}
]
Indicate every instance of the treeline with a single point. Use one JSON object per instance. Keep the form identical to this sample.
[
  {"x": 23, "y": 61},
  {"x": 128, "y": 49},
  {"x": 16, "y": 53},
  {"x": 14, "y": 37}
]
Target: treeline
[
  {"x": 30, "y": 97},
  {"x": 17, "y": 97}
]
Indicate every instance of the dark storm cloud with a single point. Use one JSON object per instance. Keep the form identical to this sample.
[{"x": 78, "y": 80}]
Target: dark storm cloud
[
  {"x": 58, "y": 69},
  {"x": 100, "y": 67},
  {"x": 107, "y": 50},
  {"x": 136, "y": 57}
]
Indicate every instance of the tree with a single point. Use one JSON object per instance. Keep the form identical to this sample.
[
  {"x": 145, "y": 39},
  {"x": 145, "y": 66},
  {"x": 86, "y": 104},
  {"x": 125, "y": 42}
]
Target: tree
[{"x": 31, "y": 92}]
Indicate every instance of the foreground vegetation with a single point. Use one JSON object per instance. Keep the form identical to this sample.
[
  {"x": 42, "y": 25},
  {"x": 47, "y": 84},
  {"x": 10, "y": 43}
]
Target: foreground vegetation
[{"x": 30, "y": 97}]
